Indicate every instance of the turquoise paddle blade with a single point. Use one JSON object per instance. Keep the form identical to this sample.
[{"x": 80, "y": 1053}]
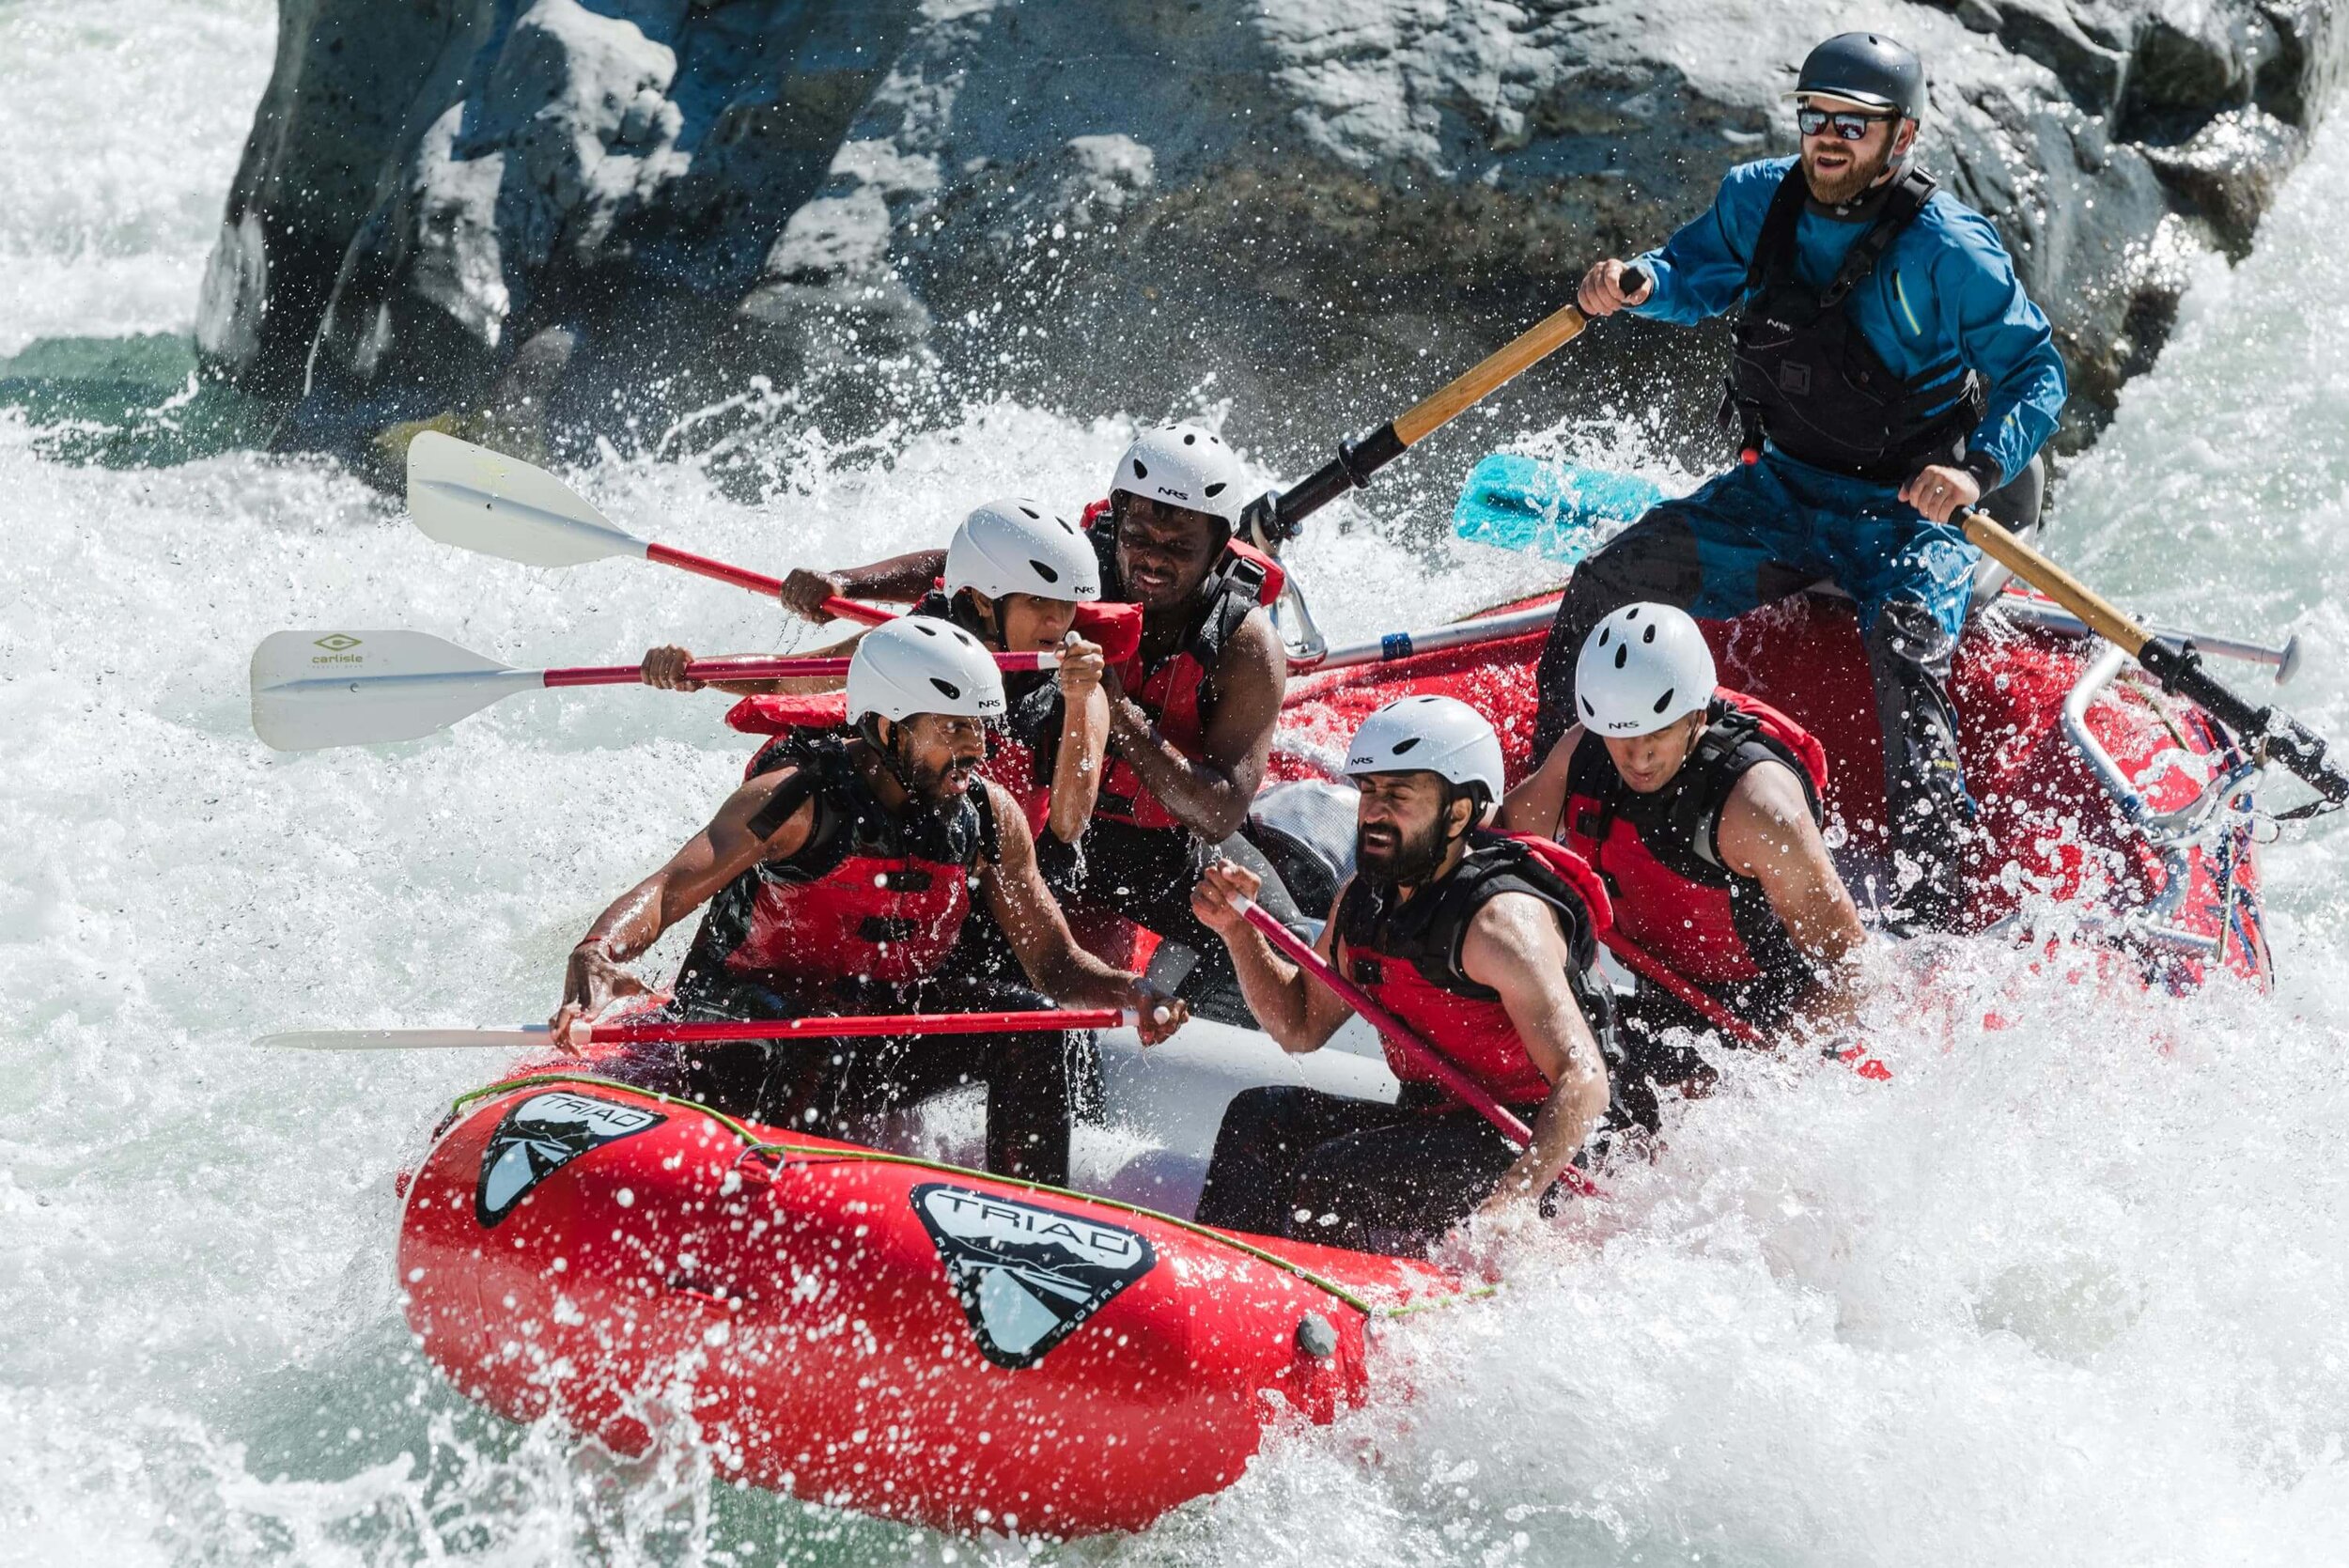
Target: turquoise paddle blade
[{"x": 1555, "y": 509}]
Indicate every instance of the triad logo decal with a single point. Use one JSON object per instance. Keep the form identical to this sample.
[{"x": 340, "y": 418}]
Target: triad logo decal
[
  {"x": 542, "y": 1135},
  {"x": 1027, "y": 1276}
]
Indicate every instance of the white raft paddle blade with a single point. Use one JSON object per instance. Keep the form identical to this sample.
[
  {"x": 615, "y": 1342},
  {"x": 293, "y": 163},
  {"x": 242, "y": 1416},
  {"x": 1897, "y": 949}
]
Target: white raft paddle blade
[
  {"x": 479, "y": 500},
  {"x": 405, "y": 1039},
  {"x": 312, "y": 690}
]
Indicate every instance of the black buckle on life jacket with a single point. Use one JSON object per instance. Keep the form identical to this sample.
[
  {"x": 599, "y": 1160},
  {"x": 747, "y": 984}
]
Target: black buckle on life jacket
[
  {"x": 1742, "y": 418},
  {"x": 888, "y": 928},
  {"x": 1367, "y": 972},
  {"x": 906, "y": 878},
  {"x": 1244, "y": 574}
]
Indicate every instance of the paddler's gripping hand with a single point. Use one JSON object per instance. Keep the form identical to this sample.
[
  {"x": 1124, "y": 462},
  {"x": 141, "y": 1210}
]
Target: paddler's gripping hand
[
  {"x": 1160, "y": 1011},
  {"x": 804, "y": 593},
  {"x": 665, "y": 669},
  {"x": 1941, "y": 492},
  {"x": 592, "y": 982},
  {"x": 1216, "y": 900},
  {"x": 1602, "y": 293},
  {"x": 1080, "y": 668}
]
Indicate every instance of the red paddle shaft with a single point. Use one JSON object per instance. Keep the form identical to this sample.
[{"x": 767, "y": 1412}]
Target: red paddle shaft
[
  {"x": 756, "y": 669},
  {"x": 758, "y": 582},
  {"x": 1637, "y": 959},
  {"x": 1116, "y": 627},
  {"x": 843, "y": 1028},
  {"x": 1293, "y": 947}
]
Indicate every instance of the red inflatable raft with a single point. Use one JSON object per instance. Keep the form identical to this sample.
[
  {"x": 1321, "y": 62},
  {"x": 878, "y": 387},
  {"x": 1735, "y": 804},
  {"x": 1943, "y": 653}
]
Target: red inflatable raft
[
  {"x": 864, "y": 1330},
  {"x": 911, "y": 1340}
]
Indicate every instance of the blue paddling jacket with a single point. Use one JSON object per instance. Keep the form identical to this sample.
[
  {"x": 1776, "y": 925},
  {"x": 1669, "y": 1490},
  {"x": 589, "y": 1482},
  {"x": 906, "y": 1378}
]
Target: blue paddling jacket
[{"x": 1941, "y": 301}]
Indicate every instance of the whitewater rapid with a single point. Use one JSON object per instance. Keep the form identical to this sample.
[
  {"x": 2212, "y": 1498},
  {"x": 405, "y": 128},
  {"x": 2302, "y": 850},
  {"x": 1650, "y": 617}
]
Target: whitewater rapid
[{"x": 2073, "y": 1290}]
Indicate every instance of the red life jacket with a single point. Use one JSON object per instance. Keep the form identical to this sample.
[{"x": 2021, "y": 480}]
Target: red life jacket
[
  {"x": 1176, "y": 692},
  {"x": 1660, "y": 856},
  {"x": 871, "y": 895},
  {"x": 1406, "y": 955}
]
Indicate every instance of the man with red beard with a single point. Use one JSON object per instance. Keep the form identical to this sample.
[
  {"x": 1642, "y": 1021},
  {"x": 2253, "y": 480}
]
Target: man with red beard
[{"x": 1888, "y": 373}]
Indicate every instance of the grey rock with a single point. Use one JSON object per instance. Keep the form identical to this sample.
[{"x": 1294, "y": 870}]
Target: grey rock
[
  {"x": 347, "y": 90},
  {"x": 2230, "y": 170},
  {"x": 1317, "y": 210},
  {"x": 616, "y": 168}
]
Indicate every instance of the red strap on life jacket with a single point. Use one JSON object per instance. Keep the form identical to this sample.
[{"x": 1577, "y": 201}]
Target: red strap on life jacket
[
  {"x": 1787, "y": 733},
  {"x": 1275, "y": 577},
  {"x": 1577, "y": 874}
]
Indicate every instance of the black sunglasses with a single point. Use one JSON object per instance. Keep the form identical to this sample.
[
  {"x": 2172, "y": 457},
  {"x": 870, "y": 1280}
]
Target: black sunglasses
[{"x": 1851, "y": 127}]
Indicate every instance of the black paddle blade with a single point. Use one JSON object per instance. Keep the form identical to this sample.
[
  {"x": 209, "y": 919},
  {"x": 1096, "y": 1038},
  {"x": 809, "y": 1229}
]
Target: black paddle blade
[{"x": 2299, "y": 749}]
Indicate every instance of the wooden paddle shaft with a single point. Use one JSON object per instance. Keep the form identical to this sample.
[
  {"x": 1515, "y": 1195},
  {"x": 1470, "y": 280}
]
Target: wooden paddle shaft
[
  {"x": 1993, "y": 540},
  {"x": 1357, "y": 461},
  {"x": 2277, "y": 737},
  {"x": 1504, "y": 364}
]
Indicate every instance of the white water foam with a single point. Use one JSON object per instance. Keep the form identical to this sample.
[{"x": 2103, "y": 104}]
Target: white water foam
[
  {"x": 2067, "y": 1291},
  {"x": 123, "y": 120}
]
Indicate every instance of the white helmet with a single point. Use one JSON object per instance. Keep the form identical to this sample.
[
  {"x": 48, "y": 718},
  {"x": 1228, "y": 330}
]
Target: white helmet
[
  {"x": 1429, "y": 734},
  {"x": 1642, "y": 667},
  {"x": 922, "y": 664},
  {"x": 1014, "y": 546},
  {"x": 1185, "y": 465}
]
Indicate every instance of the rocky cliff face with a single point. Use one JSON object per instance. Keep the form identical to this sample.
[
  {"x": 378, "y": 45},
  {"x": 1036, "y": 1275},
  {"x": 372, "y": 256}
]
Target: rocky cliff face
[{"x": 588, "y": 215}]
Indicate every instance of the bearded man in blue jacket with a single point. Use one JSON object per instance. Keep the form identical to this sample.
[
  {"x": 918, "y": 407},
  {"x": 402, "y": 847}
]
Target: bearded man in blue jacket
[{"x": 1888, "y": 373}]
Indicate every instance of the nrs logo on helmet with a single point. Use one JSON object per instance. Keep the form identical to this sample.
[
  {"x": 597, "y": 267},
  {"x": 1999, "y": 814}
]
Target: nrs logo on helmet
[
  {"x": 917, "y": 665},
  {"x": 1442, "y": 736},
  {"x": 1640, "y": 669}
]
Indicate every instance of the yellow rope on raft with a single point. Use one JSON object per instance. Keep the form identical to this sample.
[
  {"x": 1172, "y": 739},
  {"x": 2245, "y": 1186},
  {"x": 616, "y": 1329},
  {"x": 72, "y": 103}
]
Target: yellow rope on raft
[{"x": 756, "y": 1146}]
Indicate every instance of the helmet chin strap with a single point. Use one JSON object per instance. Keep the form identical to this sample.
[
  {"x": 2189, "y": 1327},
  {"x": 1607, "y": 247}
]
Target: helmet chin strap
[
  {"x": 1901, "y": 155},
  {"x": 989, "y": 612},
  {"x": 887, "y": 750}
]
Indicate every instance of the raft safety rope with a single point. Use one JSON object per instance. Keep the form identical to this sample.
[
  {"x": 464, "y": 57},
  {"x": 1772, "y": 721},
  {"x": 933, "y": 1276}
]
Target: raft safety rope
[{"x": 754, "y": 1144}]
